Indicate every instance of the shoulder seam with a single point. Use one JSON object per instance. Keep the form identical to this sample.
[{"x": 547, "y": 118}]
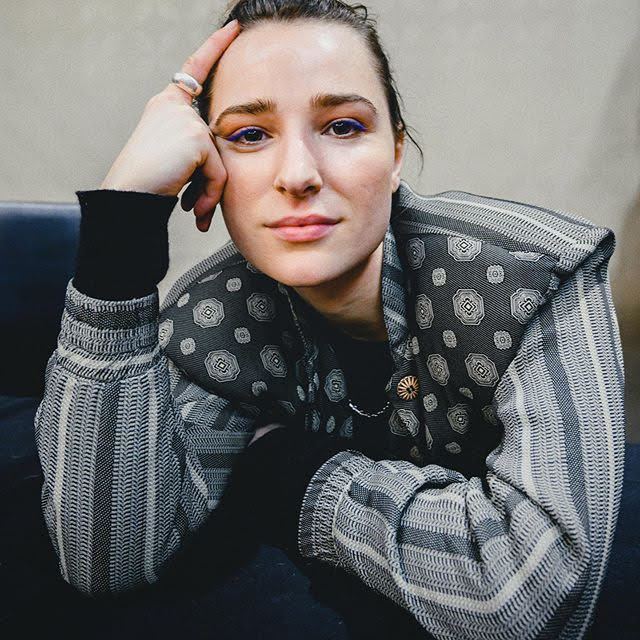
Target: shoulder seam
[
  {"x": 583, "y": 247},
  {"x": 560, "y": 235}
]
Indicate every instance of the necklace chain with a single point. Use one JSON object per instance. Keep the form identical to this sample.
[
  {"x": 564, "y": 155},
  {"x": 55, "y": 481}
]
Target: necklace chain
[{"x": 364, "y": 413}]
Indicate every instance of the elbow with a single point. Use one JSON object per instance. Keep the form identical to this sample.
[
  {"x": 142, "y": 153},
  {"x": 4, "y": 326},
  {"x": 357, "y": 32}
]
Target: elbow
[
  {"x": 94, "y": 571},
  {"x": 98, "y": 585},
  {"x": 83, "y": 584},
  {"x": 548, "y": 597}
]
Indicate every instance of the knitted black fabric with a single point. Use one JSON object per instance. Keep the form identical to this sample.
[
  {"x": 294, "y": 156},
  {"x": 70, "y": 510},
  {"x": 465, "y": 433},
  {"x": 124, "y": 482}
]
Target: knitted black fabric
[
  {"x": 268, "y": 482},
  {"x": 123, "y": 249},
  {"x": 367, "y": 367}
]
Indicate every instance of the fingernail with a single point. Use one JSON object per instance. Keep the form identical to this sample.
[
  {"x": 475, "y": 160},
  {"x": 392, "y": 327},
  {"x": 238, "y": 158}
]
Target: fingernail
[{"x": 232, "y": 25}]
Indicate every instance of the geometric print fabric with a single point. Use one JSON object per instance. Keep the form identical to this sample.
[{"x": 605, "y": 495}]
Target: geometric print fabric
[
  {"x": 472, "y": 300},
  {"x": 467, "y": 303}
]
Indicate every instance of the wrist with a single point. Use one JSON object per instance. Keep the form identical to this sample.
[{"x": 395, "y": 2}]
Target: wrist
[
  {"x": 133, "y": 187},
  {"x": 126, "y": 182}
]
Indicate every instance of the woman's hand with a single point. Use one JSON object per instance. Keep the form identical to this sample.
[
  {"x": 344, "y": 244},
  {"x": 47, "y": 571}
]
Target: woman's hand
[{"x": 173, "y": 145}]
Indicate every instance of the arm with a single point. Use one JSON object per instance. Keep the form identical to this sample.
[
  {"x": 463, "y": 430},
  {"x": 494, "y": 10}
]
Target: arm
[
  {"x": 125, "y": 441},
  {"x": 522, "y": 552}
]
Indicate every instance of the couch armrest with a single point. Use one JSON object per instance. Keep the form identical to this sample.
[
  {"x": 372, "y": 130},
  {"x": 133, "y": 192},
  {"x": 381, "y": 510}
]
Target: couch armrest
[{"x": 38, "y": 245}]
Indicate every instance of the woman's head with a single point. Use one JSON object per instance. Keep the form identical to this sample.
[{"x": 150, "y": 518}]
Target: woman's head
[{"x": 324, "y": 135}]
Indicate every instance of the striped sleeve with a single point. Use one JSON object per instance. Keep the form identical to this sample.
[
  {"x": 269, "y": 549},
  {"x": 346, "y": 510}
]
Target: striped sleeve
[
  {"x": 519, "y": 553},
  {"x": 134, "y": 455}
]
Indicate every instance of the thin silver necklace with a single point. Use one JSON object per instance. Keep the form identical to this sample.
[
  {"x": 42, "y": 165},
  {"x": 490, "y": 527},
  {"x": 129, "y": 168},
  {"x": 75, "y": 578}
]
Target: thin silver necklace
[
  {"x": 355, "y": 408},
  {"x": 364, "y": 413}
]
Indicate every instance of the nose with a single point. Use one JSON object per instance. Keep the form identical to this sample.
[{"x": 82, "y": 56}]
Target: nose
[{"x": 298, "y": 173}]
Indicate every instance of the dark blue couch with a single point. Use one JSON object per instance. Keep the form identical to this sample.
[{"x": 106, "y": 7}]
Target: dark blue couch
[{"x": 255, "y": 591}]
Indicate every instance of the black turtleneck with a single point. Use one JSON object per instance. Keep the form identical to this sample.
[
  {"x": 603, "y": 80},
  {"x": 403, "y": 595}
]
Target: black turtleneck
[{"x": 367, "y": 366}]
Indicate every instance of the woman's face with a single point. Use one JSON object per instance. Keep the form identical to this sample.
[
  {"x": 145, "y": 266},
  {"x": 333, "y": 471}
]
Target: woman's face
[{"x": 308, "y": 154}]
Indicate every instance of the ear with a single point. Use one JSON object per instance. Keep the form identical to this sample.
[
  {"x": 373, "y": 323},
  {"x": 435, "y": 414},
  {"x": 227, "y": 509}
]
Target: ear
[{"x": 397, "y": 163}]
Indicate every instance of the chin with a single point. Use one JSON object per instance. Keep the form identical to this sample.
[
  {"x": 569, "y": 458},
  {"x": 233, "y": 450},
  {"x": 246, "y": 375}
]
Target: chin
[
  {"x": 300, "y": 280},
  {"x": 302, "y": 275}
]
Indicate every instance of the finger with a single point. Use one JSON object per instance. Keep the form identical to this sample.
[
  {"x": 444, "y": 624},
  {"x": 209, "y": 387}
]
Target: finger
[
  {"x": 215, "y": 177},
  {"x": 204, "y": 223},
  {"x": 189, "y": 197},
  {"x": 193, "y": 191},
  {"x": 201, "y": 61}
]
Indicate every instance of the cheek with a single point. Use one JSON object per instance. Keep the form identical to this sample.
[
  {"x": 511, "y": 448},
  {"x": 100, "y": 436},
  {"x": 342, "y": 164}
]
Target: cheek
[
  {"x": 232, "y": 205},
  {"x": 241, "y": 193},
  {"x": 368, "y": 185},
  {"x": 233, "y": 219},
  {"x": 367, "y": 168},
  {"x": 246, "y": 174}
]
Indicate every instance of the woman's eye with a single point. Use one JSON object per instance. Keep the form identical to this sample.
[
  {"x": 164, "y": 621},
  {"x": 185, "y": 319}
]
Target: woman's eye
[
  {"x": 346, "y": 124},
  {"x": 246, "y": 132},
  {"x": 251, "y": 136}
]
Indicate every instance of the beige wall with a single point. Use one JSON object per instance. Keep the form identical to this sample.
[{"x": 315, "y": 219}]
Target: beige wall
[{"x": 533, "y": 100}]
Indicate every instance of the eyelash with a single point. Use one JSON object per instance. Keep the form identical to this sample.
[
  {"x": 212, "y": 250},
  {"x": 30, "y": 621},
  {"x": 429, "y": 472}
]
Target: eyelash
[{"x": 359, "y": 128}]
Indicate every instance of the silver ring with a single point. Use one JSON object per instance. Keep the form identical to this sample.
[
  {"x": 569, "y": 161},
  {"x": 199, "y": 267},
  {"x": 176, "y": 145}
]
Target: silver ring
[{"x": 187, "y": 83}]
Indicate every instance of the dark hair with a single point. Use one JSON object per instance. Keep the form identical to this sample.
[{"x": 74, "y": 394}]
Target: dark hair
[{"x": 250, "y": 12}]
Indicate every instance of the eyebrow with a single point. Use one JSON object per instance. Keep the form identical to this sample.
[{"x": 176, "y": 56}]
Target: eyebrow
[{"x": 319, "y": 101}]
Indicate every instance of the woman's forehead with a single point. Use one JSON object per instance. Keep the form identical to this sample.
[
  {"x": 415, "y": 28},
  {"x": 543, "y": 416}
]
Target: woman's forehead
[{"x": 304, "y": 57}]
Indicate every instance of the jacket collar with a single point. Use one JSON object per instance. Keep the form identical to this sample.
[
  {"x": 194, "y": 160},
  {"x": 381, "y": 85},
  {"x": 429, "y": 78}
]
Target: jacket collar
[{"x": 394, "y": 296}]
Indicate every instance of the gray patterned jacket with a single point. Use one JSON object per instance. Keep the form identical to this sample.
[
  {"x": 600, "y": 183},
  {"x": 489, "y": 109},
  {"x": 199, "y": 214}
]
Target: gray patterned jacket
[{"x": 494, "y": 512}]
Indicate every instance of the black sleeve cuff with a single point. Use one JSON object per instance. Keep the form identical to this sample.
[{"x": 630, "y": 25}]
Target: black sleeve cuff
[
  {"x": 123, "y": 249},
  {"x": 269, "y": 480}
]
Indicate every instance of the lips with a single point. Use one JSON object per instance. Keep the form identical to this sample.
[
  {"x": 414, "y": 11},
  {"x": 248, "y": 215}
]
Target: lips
[
  {"x": 303, "y": 228},
  {"x": 303, "y": 233},
  {"x": 296, "y": 221}
]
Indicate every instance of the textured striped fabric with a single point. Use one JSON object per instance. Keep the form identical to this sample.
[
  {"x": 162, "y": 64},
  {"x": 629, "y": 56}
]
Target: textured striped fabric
[{"x": 136, "y": 449}]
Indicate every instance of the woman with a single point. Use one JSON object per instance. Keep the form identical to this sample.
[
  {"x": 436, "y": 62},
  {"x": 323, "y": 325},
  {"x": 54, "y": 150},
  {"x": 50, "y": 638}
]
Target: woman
[{"x": 425, "y": 392}]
